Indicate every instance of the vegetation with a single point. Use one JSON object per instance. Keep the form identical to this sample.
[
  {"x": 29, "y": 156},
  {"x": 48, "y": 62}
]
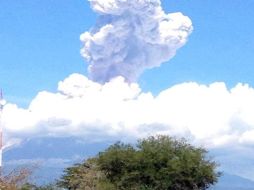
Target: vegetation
[
  {"x": 155, "y": 163},
  {"x": 81, "y": 176},
  {"x": 29, "y": 186},
  {"x": 18, "y": 179},
  {"x": 15, "y": 179}
]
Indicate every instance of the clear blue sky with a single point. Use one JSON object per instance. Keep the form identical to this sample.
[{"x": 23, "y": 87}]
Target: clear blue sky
[{"x": 40, "y": 45}]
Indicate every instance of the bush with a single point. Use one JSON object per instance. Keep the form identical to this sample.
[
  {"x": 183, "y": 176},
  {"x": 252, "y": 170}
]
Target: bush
[
  {"x": 15, "y": 179},
  {"x": 155, "y": 163}
]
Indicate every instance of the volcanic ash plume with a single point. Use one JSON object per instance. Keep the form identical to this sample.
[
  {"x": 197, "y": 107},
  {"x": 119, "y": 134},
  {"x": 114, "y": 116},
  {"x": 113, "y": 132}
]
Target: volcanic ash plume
[{"x": 131, "y": 36}]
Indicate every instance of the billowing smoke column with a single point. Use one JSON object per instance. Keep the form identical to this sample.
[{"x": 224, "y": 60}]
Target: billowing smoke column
[{"x": 131, "y": 36}]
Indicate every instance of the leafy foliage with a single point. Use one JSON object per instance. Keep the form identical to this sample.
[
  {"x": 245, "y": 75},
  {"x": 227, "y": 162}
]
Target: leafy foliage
[
  {"x": 155, "y": 163},
  {"x": 15, "y": 179},
  {"x": 29, "y": 186},
  {"x": 18, "y": 179},
  {"x": 80, "y": 176}
]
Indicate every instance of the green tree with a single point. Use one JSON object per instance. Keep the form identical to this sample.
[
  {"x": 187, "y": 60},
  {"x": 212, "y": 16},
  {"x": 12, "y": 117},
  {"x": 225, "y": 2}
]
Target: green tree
[
  {"x": 29, "y": 186},
  {"x": 155, "y": 163},
  {"x": 83, "y": 176}
]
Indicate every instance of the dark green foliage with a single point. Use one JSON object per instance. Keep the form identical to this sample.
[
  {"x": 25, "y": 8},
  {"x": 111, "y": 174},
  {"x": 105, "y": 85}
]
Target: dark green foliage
[
  {"x": 29, "y": 186},
  {"x": 155, "y": 163},
  {"x": 80, "y": 177}
]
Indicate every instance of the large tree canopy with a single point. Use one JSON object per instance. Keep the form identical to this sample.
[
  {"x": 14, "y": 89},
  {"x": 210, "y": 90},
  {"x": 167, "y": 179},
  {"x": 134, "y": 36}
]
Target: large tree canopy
[{"x": 155, "y": 163}]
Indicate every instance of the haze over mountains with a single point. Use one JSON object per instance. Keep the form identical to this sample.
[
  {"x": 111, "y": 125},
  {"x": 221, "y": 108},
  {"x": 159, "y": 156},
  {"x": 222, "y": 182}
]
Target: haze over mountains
[{"x": 52, "y": 155}]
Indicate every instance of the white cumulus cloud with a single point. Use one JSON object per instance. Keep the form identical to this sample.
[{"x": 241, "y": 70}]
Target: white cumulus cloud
[{"x": 210, "y": 114}]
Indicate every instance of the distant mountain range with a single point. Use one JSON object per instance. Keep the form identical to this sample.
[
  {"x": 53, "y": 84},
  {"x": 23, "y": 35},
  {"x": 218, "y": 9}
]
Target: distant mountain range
[
  {"x": 54, "y": 154},
  {"x": 233, "y": 182}
]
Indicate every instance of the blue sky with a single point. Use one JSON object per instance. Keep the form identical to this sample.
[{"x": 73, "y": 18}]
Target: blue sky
[
  {"x": 219, "y": 49},
  {"x": 40, "y": 46}
]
